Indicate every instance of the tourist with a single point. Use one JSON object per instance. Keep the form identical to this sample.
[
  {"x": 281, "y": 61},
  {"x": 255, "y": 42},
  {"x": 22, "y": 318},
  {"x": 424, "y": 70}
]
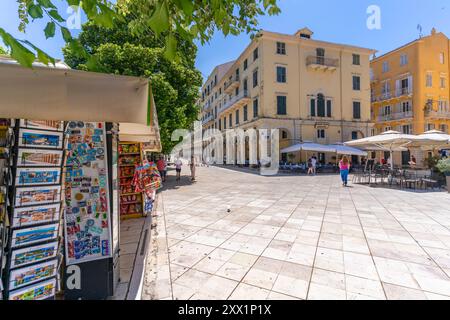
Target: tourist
[
  {"x": 314, "y": 164},
  {"x": 413, "y": 162},
  {"x": 162, "y": 168},
  {"x": 310, "y": 167},
  {"x": 192, "y": 166},
  {"x": 178, "y": 165},
  {"x": 344, "y": 167}
]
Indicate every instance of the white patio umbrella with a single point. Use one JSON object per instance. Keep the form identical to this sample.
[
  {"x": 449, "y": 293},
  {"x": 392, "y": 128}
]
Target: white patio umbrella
[
  {"x": 389, "y": 141},
  {"x": 308, "y": 146},
  {"x": 349, "y": 151},
  {"x": 436, "y": 140}
]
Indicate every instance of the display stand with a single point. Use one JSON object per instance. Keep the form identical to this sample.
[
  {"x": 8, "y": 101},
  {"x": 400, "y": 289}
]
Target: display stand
[
  {"x": 34, "y": 195},
  {"x": 131, "y": 202},
  {"x": 5, "y": 145},
  {"x": 89, "y": 220}
]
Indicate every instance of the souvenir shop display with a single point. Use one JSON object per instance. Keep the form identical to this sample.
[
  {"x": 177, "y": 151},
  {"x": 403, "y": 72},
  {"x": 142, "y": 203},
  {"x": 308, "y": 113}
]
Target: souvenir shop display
[
  {"x": 6, "y": 140},
  {"x": 147, "y": 180},
  {"x": 131, "y": 201},
  {"x": 34, "y": 209},
  {"x": 86, "y": 214}
]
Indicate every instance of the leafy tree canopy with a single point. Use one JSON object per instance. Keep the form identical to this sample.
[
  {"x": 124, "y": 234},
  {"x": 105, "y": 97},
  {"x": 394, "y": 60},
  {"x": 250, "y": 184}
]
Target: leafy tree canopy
[
  {"x": 175, "y": 84},
  {"x": 3, "y": 51},
  {"x": 168, "y": 20}
]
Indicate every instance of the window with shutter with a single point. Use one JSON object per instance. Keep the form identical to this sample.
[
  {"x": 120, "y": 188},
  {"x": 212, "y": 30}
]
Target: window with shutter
[
  {"x": 313, "y": 107},
  {"x": 356, "y": 110},
  {"x": 281, "y": 105},
  {"x": 320, "y": 105}
]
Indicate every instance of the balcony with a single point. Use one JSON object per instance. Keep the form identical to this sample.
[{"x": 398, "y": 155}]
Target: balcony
[
  {"x": 395, "y": 116},
  {"x": 231, "y": 84},
  {"x": 240, "y": 100},
  {"x": 402, "y": 92},
  {"x": 440, "y": 114},
  {"x": 208, "y": 119},
  {"x": 322, "y": 63}
]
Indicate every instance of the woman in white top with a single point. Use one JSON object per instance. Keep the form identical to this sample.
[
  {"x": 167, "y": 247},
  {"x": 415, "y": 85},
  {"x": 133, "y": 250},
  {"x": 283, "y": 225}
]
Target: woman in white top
[{"x": 178, "y": 165}]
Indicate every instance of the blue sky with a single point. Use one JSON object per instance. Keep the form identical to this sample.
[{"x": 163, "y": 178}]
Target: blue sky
[{"x": 331, "y": 20}]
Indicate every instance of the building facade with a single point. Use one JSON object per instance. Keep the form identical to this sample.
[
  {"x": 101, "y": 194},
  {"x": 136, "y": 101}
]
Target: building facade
[
  {"x": 310, "y": 90},
  {"x": 410, "y": 91}
]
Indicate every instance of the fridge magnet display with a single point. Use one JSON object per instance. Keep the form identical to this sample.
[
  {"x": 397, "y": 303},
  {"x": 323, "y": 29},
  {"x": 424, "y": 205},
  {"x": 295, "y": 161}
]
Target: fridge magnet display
[
  {"x": 37, "y": 195},
  {"x": 42, "y": 124},
  {"x": 40, "y": 139},
  {"x": 36, "y": 215},
  {"x": 35, "y": 234},
  {"x": 42, "y": 158},
  {"x": 86, "y": 214},
  {"x": 23, "y": 257},
  {"x": 32, "y": 274},
  {"x": 40, "y": 291},
  {"x": 37, "y": 176}
]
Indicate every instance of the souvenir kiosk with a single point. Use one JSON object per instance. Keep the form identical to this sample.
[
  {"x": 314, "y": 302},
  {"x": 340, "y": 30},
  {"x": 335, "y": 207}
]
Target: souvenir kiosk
[
  {"x": 139, "y": 179},
  {"x": 60, "y": 209}
]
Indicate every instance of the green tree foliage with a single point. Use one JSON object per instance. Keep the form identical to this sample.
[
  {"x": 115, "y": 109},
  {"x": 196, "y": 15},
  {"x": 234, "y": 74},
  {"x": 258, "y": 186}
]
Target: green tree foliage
[
  {"x": 3, "y": 51},
  {"x": 175, "y": 84},
  {"x": 169, "y": 20}
]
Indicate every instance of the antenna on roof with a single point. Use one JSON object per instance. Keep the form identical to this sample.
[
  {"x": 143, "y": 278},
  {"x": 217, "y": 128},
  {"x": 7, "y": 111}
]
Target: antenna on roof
[{"x": 419, "y": 28}]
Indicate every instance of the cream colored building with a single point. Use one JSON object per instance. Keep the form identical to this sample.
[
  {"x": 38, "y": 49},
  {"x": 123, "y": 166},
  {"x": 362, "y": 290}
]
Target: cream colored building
[{"x": 311, "y": 90}]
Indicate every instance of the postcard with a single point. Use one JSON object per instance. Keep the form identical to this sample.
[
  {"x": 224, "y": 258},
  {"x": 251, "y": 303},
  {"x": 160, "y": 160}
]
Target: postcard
[
  {"x": 32, "y": 274},
  {"x": 37, "y": 195},
  {"x": 35, "y": 234},
  {"x": 42, "y": 124},
  {"x": 40, "y": 139},
  {"x": 23, "y": 257},
  {"x": 36, "y": 176},
  {"x": 40, "y": 291},
  {"x": 36, "y": 215},
  {"x": 42, "y": 158}
]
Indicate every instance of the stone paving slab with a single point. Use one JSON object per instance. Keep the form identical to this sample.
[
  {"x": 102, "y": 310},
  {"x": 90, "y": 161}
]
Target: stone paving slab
[{"x": 237, "y": 235}]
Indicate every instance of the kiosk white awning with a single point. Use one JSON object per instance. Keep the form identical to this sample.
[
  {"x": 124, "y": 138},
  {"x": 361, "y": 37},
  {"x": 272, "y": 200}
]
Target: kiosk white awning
[{"x": 48, "y": 93}]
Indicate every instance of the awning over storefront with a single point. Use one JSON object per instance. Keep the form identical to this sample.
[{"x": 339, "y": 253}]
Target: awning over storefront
[
  {"x": 49, "y": 93},
  {"x": 148, "y": 135}
]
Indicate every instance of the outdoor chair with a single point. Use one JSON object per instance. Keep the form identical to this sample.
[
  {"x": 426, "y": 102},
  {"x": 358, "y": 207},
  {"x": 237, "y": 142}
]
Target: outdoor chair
[{"x": 412, "y": 181}]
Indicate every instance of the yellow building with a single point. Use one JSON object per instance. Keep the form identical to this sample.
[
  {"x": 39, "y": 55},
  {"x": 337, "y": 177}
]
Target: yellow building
[
  {"x": 410, "y": 91},
  {"x": 310, "y": 90}
]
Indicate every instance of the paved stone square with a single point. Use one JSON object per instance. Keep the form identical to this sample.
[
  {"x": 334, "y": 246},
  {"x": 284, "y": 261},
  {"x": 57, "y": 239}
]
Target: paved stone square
[{"x": 296, "y": 237}]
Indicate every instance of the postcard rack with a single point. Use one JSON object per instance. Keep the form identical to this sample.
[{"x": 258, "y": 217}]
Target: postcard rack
[
  {"x": 6, "y": 140},
  {"x": 34, "y": 211},
  {"x": 131, "y": 202}
]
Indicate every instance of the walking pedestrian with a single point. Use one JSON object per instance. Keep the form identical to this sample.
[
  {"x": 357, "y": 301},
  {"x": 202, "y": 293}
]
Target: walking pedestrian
[
  {"x": 314, "y": 164},
  {"x": 162, "y": 168},
  {"x": 344, "y": 167},
  {"x": 310, "y": 167},
  {"x": 178, "y": 165},
  {"x": 192, "y": 166}
]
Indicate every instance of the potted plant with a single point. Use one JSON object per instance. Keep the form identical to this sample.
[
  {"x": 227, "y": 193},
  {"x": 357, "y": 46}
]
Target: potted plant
[{"x": 444, "y": 167}]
